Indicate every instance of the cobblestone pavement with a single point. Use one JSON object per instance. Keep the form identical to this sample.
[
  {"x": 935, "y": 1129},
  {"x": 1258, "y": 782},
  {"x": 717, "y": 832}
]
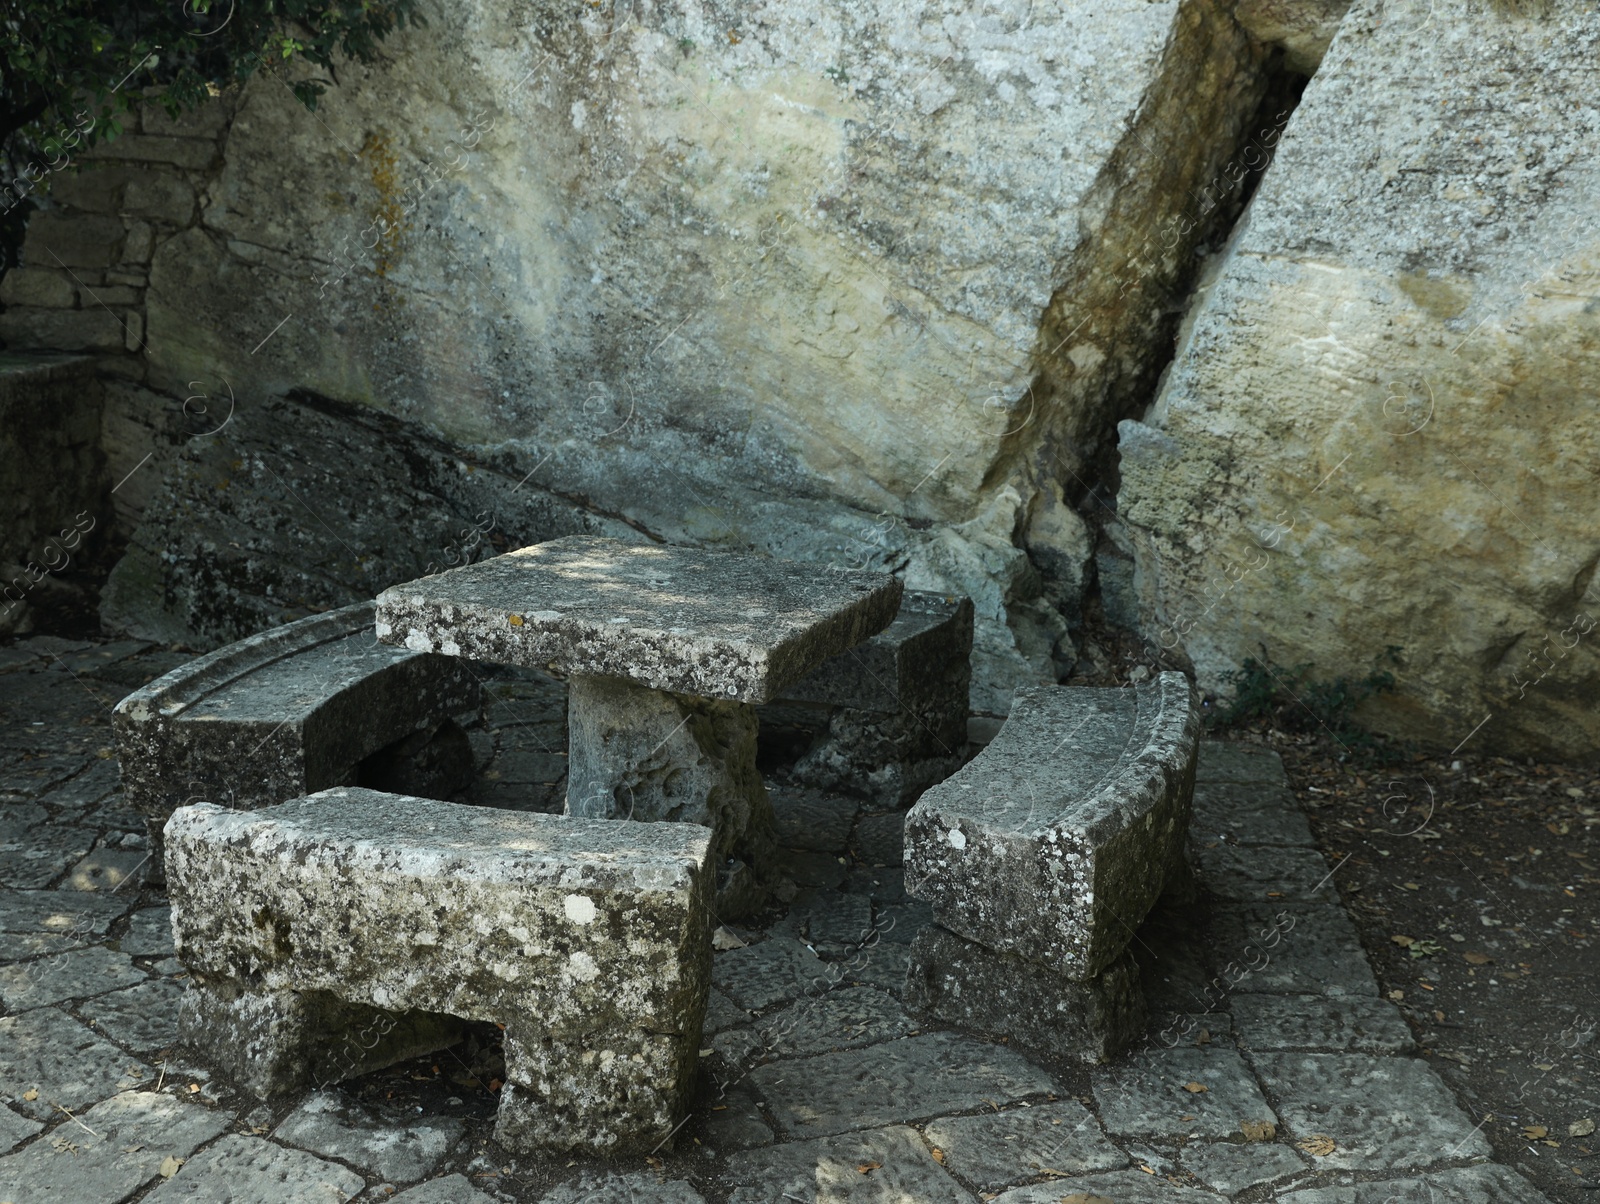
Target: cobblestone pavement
[{"x": 1272, "y": 1071}]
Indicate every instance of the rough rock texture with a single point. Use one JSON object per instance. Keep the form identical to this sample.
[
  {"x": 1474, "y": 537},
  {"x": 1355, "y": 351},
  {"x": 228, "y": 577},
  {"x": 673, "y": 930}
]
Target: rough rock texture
[
  {"x": 954, "y": 981},
  {"x": 1303, "y": 28},
  {"x": 588, "y": 940},
  {"x": 710, "y": 624},
  {"x": 674, "y": 248},
  {"x": 251, "y": 514},
  {"x": 901, "y": 701},
  {"x": 1056, "y": 840},
  {"x": 1315, "y": 480},
  {"x": 278, "y": 715}
]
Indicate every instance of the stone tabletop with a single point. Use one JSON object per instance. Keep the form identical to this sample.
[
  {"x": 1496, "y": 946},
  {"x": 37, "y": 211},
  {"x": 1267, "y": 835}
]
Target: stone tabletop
[{"x": 711, "y": 624}]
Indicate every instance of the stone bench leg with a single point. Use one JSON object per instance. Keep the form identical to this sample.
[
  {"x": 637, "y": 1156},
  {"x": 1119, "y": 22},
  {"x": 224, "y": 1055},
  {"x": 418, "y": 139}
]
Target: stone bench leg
[
  {"x": 623, "y": 1091},
  {"x": 277, "y": 1042},
  {"x": 644, "y": 754}
]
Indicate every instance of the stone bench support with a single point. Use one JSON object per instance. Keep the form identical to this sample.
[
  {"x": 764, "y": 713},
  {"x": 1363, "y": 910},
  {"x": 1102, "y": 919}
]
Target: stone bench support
[{"x": 332, "y": 934}]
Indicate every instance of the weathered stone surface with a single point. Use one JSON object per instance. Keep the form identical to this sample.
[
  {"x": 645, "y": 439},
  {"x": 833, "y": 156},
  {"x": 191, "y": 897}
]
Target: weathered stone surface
[
  {"x": 839, "y": 1019},
  {"x": 1055, "y": 841},
  {"x": 1122, "y": 1187},
  {"x": 108, "y": 868},
  {"x": 38, "y": 286},
  {"x": 909, "y": 1079},
  {"x": 224, "y": 546},
  {"x": 880, "y": 839},
  {"x": 328, "y": 1124},
  {"x": 1224, "y": 762},
  {"x": 1001, "y": 1148},
  {"x": 901, "y": 699},
  {"x": 1257, "y": 873},
  {"x": 72, "y": 974},
  {"x": 50, "y": 1053},
  {"x": 278, "y": 715},
  {"x": 955, "y": 981},
  {"x": 585, "y": 938},
  {"x": 612, "y": 1188},
  {"x": 775, "y": 970},
  {"x": 832, "y": 920},
  {"x": 721, "y": 1013},
  {"x": 452, "y": 1189},
  {"x": 73, "y": 241},
  {"x": 637, "y": 753},
  {"x": 1383, "y": 1113},
  {"x": 119, "y": 1147},
  {"x": 248, "y": 1170},
  {"x": 1302, "y": 27},
  {"x": 1351, "y": 1022},
  {"x": 142, "y": 1017},
  {"x": 1230, "y": 1168},
  {"x": 14, "y": 1128},
  {"x": 37, "y": 921},
  {"x": 1248, "y": 813},
  {"x": 829, "y": 1172},
  {"x": 1394, "y": 305},
  {"x": 811, "y": 819},
  {"x": 1457, "y": 1185},
  {"x": 149, "y": 933},
  {"x": 710, "y": 624},
  {"x": 1292, "y": 949},
  {"x": 1148, "y": 1095}
]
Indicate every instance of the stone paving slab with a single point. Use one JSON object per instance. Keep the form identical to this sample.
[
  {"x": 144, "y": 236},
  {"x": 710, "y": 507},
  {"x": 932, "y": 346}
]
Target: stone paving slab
[
  {"x": 832, "y": 918},
  {"x": 35, "y": 859},
  {"x": 15, "y": 1129},
  {"x": 1262, "y": 873},
  {"x": 119, "y": 1147},
  {"x": 811, "y": 819},
  {"x": 999, "y": 1149},
  {"x": 1149, "y": 1094},
  {"x": 1231, "y": 1168},
  {"x": 107, "y": 868},
  {"x": 1382, "y": 1112},
  {"x": 880, "y": 839},
  {"x": 1249, "y": 813},
  {"x": 709, "y": 624},
  {"x": 452, "y": 1189},
  {"x": 74, "y": 974},
  {"x": 52, "y": 1054},
  {"x": 721, "y": 1013},
  {"x": 328, "y": 1124},
  {"x": 899, "y": 1171},
  {"x": 1462, "y": 1185},
  {"x": 1226, "y": 761},
  {"x": 611, "y": 1188},
  {"x": 1319, "y": 1022},
  {"x": 248, "y": 1170},
  {"x": 734, "y": 1121},
  {"x": 1119, "y": 1187},
  {"x": 883, "y": 965},
  {"x": 143, "y": 1017},
  {"x": 1292, "y": 948},
  {"x": 149, "y": 933},
  {"x": 909, "y": 1079},
  {"x": 40, "y": 921},
  {"x": 840, "y": 1019},
  {"x": 775, "y": 970}
]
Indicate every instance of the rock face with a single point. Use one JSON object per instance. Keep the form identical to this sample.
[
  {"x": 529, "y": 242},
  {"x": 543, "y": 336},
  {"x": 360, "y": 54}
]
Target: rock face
[
  {"x": 589, "y": 940},
  {"x": 1381, "y": 427},
  {"x": 849, "y": 282}
]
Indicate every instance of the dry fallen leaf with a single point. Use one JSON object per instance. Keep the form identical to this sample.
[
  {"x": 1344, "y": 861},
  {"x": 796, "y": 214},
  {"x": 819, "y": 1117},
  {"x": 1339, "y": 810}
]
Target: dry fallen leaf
[
  {"x": 868, "y": 1167},
  {"x": 1318, "y": 1145},
  {"x": 1478, "y": 959},
  {"x": 1195, "y": 1088},
  {"x": 1533, "y": 1132},
  {"x": 31, "y": 1094},
  {"x": 938, "y": 1155},
  {"x": 1405, "y": 942},
  {"x": 1258, "y": 1130},
  {"x": 169, "y": 1166},
  {"x": 1083, "y": 1197},
  {"x": 1580, "y": 1128}
]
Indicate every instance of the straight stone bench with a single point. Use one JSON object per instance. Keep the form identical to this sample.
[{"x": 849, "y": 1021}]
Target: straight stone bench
[
  {"x": 899, "y": 704},
  {"x": 668, "y": 650},
  {"x": 333, "y": 935},
  {"x": 1043, "y": 854},
  {"x": 279, "y": 715}
]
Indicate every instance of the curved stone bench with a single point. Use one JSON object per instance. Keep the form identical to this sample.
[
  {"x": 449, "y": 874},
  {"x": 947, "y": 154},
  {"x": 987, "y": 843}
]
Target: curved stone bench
[
  {"x": 1050, "y": 847},
  {"x": 278, "y": 715},
  {"x": 332, "y": 935}
]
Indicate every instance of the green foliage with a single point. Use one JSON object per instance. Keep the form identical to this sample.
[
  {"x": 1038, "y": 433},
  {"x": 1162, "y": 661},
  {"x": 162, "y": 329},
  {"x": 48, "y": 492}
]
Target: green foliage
[
  {"x": 69, "y": 66},
  {"x": 1289, "y": 699}
]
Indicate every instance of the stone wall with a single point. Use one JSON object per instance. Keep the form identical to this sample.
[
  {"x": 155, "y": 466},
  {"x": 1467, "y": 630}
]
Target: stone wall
[{"x": 862, "y": 283}]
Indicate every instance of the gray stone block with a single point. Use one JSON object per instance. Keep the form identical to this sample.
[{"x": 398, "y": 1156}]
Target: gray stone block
[
  {"x": 811, "y": 819},
  {"x": 1290, "y": 949},
  {"x": 709, "y": 624},
  {"x": 901, "y": 701},
  {"x": 72, "y": 240},
  {"x": 955, "y": 981},
  {"x": 48, "y": 1053},
  {"x": 1157, "y": 1094},
  {"x": 15, "y": 1129},
  {"x": 1383, "y": 1113},
  {"x": 911, "y": 1079},
  {"x": 1230, "y": 1167},
  {"x": 1223, "y": 762},
  {"x": 279, "y": 715},
  {"x": 74, "y": 974},
  {"x": 1057, "y": 839},
  {"x": 1457, "y": 1185},
  {"x": 997, "y": 1149},
  {"x": 1320, "y": 1022},
  {"x": 143, "y": 1017},
  {"x": 1248, "y": 813},
  {"x": 1258, "y": 873},
  {"x": 37, "y": 921},
  {"x": 1121, "y": 1187},
  {"x": 775, "y": 970},
  {"x": 589, "y": 940},
  {"x": 39, "y": 286},
  {"x": 118, "y": 1148},
  {"x": 248, "y": 1170},
  {"x": 829, "y": 1172},
  {"x": 611, "y": 1188},
  {"x": 325, "y": 1123},
  {"x": 452, "y": 1189}
]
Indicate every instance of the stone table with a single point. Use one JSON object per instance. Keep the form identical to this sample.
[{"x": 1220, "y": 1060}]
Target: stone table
[{"x": 668, "y": 651}]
